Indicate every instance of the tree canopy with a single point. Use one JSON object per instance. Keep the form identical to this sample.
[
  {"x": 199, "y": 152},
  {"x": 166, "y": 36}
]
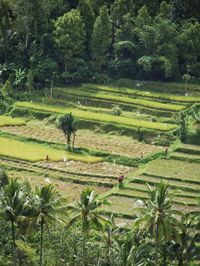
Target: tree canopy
[{"x": 80, "y": 40}]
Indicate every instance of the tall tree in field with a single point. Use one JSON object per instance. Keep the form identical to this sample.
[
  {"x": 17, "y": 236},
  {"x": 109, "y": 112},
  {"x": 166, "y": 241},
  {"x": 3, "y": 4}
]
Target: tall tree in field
[
  {"x": 158, "y": 217},
  {"x": 69, "y": 36},
  {"x": 87, "y": 15},
  {"x": 69, "y": 126},
  {"x": 101, "y": 39}
]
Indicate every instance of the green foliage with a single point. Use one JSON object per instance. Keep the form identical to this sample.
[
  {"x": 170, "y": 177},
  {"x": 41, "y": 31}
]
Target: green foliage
[
  {"x": 43, "y": 71},
  {"x": 20, "y": 77},
  {"x": 159, "y": 235},
  {"x": 85, "y": 210},
  {"x": 157, "y": 216},
  {"x": 6, "y": 90},
  {"x": 143, "y": 17},
  {"x": 165, "y": 9},
  {"x": 77, "y": 72},
  {"x": 30, "y": 82},
  {"x": 88, "y": 17},
  {"x": 101, "y": 39},
  {"x": 112, "y": 37},
  {"x": 26, "y": 254},
  {"x": 69, "y": 36},
  {"x": 119, "y": 9},
  {"x": 48, "y": 206},
  {"x": 3, "y": 107},
  {"x": 3, "y": 178}
]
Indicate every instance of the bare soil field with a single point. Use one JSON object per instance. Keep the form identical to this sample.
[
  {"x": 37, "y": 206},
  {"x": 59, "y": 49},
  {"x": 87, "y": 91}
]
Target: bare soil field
[{"x": 103, "y": 168}]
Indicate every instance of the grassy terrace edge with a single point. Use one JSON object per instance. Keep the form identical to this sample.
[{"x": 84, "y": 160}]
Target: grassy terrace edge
[
  {"x": 147, "y": 94},
  {"x": 105, "y": 118},
  {"x": 10, "y": 121},
  {"x": 120, "y": 98}
]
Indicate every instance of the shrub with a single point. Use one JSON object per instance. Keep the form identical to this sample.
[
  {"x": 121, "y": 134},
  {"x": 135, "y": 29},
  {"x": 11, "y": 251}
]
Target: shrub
[
  {"x": 116, "y": 110},
  {"x": 44, "y": 70},
  {"x": 3, "y": 107},
  {"x": 78, "y": 71},
  {"x": 6, "y": 89},
  {"x": 3, "y": 178},
  {"x": 101, "y": 78}
]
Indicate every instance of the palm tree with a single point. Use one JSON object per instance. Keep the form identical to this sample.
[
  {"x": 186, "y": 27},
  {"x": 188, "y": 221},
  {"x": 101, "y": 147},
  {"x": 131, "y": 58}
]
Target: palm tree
[
  {"x": 185, "y": 248},
  {"x": 107, "y": 236},
  {"x": 48, "y": 208},
  {"x": 86, "y": 211},
  {"x": 158, "y": 217},
  {"x": 15, "y": 203}
]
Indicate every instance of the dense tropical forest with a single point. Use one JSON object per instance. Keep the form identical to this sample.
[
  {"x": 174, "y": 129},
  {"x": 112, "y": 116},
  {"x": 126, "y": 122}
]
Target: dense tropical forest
[
  {"x": 76, "y": 41},
  {"x": 99, "y": 133}
]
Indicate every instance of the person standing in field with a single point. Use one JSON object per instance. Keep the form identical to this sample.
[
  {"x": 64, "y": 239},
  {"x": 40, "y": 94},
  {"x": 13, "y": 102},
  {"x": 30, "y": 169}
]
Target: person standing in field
[{"x": 120, "y": 180}]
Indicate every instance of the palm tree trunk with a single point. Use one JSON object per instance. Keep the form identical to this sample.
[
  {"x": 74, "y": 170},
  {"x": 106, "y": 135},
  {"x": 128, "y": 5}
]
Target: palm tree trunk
[
  {"x": 180, "y": 262},
  {"x": 13, "y": 244},
  {"x": 41, "y": 240},
  {"x": 164, "y": 255},
  {"x": 157, "y": 244},
  {"x": 84, "y": 251},
  {"x": 109, "y": 247}
]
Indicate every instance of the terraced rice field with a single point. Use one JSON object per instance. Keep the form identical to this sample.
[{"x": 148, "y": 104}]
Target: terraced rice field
[
  {"x": 182, "y": 177},
  {"x": 122, "y": 98},
  {"x": 37, "y": 152},
  {"x": 102, "y": 168},
  {"x": 187, "y": 152},
  {"x": 179, "y": 170},
  {"x": 9, "y": 121},
  {"x": 103, "y": 118},
  {"x": 121, "y": 145},
  {"x": 146, "y": 94},
  {"x": 24, "y": 146},
  {"x": 70, "y": 191}
]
